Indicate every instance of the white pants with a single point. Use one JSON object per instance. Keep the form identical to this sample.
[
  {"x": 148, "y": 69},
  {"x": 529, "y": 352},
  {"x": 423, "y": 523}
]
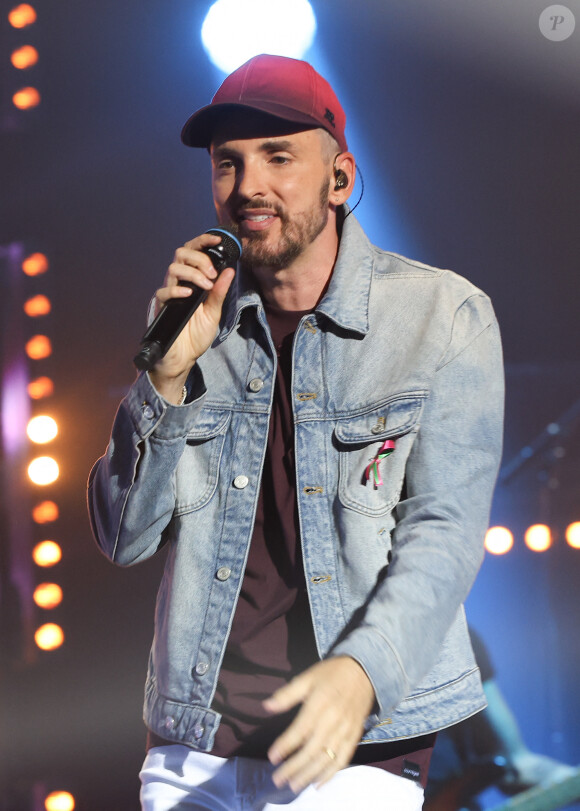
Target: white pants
[{"x": 176, "y": 778}]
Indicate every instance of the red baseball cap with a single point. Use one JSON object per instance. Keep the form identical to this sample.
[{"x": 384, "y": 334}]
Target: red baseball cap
[{"x": 288, "y": 89}]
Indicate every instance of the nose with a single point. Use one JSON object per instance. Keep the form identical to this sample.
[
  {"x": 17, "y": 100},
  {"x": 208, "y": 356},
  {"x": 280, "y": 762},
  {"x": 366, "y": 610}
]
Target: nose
[{"x": 251, "y": 181}]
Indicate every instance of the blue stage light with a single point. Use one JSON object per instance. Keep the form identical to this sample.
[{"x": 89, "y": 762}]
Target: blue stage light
[{"x": 235, "y": 30}]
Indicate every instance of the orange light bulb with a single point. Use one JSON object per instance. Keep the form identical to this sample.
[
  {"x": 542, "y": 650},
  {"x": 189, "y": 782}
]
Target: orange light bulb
[
  {"x": 26, "y": 98},
  {"x": 24, "y": 57},
  {"x": 22, "y": 16}
]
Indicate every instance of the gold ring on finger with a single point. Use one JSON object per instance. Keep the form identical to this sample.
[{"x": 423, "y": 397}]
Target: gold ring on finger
[{"x": 330, "y": 752}]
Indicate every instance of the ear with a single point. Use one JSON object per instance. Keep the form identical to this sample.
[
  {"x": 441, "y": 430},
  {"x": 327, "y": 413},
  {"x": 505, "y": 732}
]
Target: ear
[{"x": 344, "y": 173}]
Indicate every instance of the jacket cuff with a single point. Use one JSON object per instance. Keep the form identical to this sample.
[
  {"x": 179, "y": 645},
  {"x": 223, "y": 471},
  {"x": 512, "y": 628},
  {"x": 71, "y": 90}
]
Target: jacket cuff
[
  {"x": 381, "y": 664},
  {"x": 151, "y": 414}
]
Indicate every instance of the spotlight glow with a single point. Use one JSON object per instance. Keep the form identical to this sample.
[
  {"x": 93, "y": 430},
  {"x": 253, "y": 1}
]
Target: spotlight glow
[
  {"x": 43, "y": 470},
  {"x": 498, "y": 540},
  {"x": 37, "y": 306},
  {"x": 573, "y": 535},
  {"x": 42, "y": 429},
  {"x": 40, "y": 387},
  {"x": 47, "y": 553},
  {"x": 47, "y": 595},
  {"x": 24, "y": 57},
  {"x": 235, "y": 30},
  {"x": 22, "y": 16},
  {"x": 59, "y": 801},
  {"x": 49, "y": 636},
  {"x": 45, "y": 513},
  {"x": 26, "y": 98},
  {"x": 35, "y": 264},
  {"x": 538, "y": 537},
  {"x": 39, "y": 347}
]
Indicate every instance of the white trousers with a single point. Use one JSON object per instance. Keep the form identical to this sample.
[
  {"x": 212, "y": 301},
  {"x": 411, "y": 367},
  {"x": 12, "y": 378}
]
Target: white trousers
[{"x": 176, "y": 778}]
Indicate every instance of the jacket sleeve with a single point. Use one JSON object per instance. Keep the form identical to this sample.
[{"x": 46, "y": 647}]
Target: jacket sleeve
[
  {"x": 441, "y": 520},
  {"x": 131, "y": 491}
]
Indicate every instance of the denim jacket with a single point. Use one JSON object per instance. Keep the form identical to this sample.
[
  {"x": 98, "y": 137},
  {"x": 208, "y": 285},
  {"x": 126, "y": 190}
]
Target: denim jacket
[{"x": 395, "y": 350}]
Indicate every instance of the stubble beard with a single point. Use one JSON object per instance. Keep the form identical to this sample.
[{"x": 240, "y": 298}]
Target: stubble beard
[{"x": 295, "y": 235}]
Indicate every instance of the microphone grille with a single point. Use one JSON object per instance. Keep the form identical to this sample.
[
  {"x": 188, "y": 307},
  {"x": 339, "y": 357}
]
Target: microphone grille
[{"x": 230, "y": 246}]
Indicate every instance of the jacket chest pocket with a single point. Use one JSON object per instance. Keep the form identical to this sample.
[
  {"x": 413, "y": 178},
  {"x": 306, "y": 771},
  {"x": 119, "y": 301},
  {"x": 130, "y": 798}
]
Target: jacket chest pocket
[
  {"x": 370, "y": 474},
  {"x": 198, "y": 469}
]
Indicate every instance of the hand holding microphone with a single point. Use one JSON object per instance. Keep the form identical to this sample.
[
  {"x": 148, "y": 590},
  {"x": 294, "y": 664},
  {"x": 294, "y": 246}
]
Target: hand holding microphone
[{"x": 197, "y": 267}]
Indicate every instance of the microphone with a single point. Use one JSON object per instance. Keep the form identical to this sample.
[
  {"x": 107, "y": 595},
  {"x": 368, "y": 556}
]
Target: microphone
[{"x": 175, "y": 314}]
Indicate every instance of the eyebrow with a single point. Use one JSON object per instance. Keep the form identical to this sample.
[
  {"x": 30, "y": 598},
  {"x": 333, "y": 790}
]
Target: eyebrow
[{"x": 274, "y": 146}]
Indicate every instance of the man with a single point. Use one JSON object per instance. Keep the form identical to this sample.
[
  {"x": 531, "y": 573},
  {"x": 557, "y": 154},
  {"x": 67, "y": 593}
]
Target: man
[{"x": 317, "y": 452}]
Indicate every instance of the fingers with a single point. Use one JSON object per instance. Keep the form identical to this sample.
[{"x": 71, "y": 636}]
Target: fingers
[
  {"x": 190, "y": 265},
  {"x": 313, "y": 752},
  {"x": 290, "y": 695},
  {"x": 214, "y": 302},
  {"x": 336, "y": 697}
]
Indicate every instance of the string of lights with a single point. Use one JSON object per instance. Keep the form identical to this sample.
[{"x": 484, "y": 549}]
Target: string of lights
[{"x": 30, "y": 431}]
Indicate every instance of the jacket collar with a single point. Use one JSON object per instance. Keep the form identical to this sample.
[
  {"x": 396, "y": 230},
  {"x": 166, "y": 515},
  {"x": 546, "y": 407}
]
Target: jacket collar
[{"x": 346, "y": 302}]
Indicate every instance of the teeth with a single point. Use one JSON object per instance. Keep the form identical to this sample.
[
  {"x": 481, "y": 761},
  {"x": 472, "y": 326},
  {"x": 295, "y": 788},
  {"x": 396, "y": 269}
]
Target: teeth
[{"x": 257, "y": 217}]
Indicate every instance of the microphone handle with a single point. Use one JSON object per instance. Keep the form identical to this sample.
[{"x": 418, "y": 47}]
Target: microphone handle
[{"x": 164, "y": 330}]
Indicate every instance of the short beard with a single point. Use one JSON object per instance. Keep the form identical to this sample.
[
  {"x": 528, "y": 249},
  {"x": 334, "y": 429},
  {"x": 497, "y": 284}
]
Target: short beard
[{"x": 295, "y": 236}]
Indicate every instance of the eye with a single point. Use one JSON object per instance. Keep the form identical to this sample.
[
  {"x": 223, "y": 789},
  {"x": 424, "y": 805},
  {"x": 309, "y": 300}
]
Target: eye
[{"x": 280, "y": 160}]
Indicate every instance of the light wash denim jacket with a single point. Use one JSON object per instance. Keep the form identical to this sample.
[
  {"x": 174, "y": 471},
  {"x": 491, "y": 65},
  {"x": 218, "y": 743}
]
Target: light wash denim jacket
[{"x": 395, "y": 350}]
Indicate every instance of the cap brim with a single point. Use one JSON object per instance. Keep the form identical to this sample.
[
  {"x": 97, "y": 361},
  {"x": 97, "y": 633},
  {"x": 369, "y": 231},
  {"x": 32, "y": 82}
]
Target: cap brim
[{"x": 271, "y": 119}]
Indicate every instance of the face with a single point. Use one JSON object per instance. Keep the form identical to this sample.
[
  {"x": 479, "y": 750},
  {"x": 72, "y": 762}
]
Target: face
[{"x": 274, "y": 191}]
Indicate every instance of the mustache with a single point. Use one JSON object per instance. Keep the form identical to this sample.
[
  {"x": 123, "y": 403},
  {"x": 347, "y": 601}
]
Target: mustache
[{"x": 256, "y": 202}]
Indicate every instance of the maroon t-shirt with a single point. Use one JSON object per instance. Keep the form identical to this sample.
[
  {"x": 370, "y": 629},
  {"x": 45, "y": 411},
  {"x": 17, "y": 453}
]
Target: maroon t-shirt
[{"x": 272, "y": 639}]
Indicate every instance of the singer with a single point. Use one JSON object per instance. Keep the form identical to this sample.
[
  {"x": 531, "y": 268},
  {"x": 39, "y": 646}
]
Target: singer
[{"x": 316, "y": 452}]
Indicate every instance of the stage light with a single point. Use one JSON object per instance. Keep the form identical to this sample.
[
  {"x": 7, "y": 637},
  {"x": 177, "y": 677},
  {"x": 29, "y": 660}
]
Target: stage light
[
  {"x": 42, "y": 429},
  {"x": 43, "y": 470},
  {"x": 40, "y": 387},
  {"x": 573, "y": 535},
  {"x": 49, "y": 636},
  {"x": 47, "y": 595},
  {"x": 538, "y": 537},
  {"x": 235, "y": 30},
  {"x": 45, "y": 513},
  {"x": 35, "y": 264},
  {"x": 59, "y": 801},
  {"x": 22, "y": 16},
  {"x": 39, "y": 347},
  {"x": 47, "y": 553},
  {"x": 26, "y": 98},
  {"x": 498, "y": 540},
  {"x": 24, "y": 57},
  {"x": 37, "y": 306}
]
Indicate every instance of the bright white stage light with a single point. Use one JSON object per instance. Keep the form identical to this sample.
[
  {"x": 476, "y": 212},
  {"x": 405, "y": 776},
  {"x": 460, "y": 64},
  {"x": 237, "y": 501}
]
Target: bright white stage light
[{"x": 235, "y": 30}]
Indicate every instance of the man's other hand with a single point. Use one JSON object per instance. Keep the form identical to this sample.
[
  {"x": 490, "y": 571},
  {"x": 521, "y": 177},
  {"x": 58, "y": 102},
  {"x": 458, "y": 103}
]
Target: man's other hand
[{"x": 336, "y": 697}]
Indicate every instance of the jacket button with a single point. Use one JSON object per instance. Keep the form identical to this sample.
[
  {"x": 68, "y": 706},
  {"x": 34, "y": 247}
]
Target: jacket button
[
  {"x": 169, "y": 722},
  {"x": 201, "y": 668},
  {"x": 223, "y": 573},
  {"x": 240, "y": 482},
  {"x": 198, "y": 731},
  {"x": 147, "y": 410},
  {"x": 256, "y": 385}
]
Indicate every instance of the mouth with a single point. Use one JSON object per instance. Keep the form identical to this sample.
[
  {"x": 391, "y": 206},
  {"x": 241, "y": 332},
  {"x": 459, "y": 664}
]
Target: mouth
[{"x": 256, "y": 220}]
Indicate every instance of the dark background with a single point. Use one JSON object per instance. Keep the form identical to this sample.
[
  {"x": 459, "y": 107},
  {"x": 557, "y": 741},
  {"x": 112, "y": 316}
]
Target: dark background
[{"x": 466, "y": 122}]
